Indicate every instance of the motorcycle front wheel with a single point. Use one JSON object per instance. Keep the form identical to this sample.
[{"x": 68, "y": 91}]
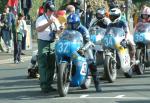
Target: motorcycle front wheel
[
  {"x": 110, "y": 69},
  {"x": 63, "y": 79},
  {"x": 140, "y": 68}
]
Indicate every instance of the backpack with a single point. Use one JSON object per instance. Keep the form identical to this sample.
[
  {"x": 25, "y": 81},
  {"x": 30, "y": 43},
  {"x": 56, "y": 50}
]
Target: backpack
[{"x": 41, "y": 11}]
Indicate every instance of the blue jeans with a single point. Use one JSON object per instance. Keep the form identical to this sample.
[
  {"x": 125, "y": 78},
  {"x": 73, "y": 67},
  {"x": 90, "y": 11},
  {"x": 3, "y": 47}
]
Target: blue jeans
[{"x": 6, "y": 35}]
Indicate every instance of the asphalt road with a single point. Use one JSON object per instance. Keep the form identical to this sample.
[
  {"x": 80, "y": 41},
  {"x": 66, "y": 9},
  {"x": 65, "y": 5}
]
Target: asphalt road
[{"x": 16, "y": 88}]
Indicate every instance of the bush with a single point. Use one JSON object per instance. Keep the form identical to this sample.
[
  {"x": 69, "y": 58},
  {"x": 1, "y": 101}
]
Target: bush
[{"x": 2, "y": 5}]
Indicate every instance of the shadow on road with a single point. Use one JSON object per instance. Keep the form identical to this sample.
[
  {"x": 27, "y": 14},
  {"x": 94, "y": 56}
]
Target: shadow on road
[
  {"x": 27, "y": 95},
  {"x": 134, "y": 101}
]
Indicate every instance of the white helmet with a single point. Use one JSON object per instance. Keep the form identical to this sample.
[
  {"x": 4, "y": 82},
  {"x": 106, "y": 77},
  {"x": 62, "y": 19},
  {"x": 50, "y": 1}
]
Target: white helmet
[
  {"x": 115, "y": 14},
  {"x": 145, "y": 13}
]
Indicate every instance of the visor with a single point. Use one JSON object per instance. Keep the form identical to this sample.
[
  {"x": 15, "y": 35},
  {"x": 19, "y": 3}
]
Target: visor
[
  {"x": 73, "y": 26},
  {"x": 145, "y": 16},
  {"x": 114, "y": 17}
]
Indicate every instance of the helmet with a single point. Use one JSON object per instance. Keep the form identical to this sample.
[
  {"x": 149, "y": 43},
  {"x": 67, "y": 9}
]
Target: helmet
[
  {"x": 49, "y": 5},
  {"x": 145, "y": 13},
  {"x": 100, "y": 13},
  {"x": 73, "y": 21},
  {"x": 115, "y": 14},
  {"x": 122, "y": 6}
]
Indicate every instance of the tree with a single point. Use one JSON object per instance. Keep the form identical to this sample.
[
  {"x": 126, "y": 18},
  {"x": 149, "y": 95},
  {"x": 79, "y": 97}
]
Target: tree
[{"x": 2, "y": 5}]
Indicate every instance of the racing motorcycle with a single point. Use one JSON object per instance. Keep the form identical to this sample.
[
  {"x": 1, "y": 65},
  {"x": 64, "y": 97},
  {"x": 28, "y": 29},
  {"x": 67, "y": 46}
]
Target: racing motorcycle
[
  {"x": 116, "y": 54},
  {"x": 96, "y": 36},
  {"x": 72, "y": 67},
  {"x": 142, "y": 40}
]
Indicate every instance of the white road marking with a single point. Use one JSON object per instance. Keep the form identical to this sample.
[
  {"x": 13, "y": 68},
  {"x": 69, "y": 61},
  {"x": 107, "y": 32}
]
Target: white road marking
[
  {"x": 127, "y": 98},
  {"x": 84, "y": 96},
  {"x": 5, "y": 61},
  {"x": 119, "y": 96}
]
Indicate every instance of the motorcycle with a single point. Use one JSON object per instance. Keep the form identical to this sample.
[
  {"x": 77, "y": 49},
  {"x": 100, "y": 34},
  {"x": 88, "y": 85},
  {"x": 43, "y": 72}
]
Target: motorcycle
[
  {"x": 116, "y": 54},
  {"x": 142, "y": 40},
  {"x": 96, "y": 36},
  {"x": 72, "y": 67}
]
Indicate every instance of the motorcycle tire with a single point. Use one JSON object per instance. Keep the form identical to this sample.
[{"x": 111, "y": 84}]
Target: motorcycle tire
[
  {"x": 140, "y": 68},
  {"x": 110, "y": 71},
  {"x": 86, "y": 84},
  {"x": 62, "y": 79}
]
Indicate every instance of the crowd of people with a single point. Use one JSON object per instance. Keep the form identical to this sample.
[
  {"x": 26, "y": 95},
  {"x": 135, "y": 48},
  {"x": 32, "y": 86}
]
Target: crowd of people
[
  {"x": 51, "y": 23},
  {"x": 13, "y": 29}
]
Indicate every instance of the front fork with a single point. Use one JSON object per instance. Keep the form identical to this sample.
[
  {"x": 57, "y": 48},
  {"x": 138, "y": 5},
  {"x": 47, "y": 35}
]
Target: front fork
[{"x": 112, "y": 54}]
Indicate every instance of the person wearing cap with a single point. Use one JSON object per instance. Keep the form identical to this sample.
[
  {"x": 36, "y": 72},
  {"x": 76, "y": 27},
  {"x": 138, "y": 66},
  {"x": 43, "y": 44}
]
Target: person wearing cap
[
  {"x": 123, "y": 15},
  {"x": 47, "y": 26}
]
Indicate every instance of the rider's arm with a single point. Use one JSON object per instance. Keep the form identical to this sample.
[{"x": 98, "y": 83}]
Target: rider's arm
[
  {"x": 107, "y": 21},
  {"x": 92, "y": 22},
  {"x": 126, "y": 29}
]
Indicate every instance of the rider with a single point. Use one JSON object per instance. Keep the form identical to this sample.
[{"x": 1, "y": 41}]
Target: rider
[
  {"x": 101, "y": 20},
  {"x": 115, "y": 17},
  {"x": 146, "y": 14},
  {"x": 73, "y": 23}
]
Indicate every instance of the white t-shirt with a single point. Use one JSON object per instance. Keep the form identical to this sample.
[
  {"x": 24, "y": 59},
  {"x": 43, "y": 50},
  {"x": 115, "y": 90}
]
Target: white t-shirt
[
  {"x": 22, "y": 26},
  {"x": 44, "y": 35}
]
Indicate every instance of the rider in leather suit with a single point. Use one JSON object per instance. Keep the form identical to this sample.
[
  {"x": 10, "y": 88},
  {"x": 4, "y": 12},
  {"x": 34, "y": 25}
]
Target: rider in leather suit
[
  {"x": 101, "y": 20},
  {"x": 115, "y": 17},
  {"x": 73, "y": 23}
]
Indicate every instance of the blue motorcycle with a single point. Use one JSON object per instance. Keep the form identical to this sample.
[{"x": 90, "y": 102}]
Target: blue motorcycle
[
  {"x": 142, "y": 40},
  {"x": 72, "y": 67},
  {"x": 116, "y": 54}
]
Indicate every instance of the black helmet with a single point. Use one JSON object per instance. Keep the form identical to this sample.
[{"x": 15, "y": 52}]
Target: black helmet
[
  {"x": 49, "y": 5},
  {"x": 100, "y": 13}
]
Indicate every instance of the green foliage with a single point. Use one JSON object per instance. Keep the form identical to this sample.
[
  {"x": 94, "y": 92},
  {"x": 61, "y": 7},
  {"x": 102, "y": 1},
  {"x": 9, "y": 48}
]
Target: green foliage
[
  {"x": 35, "y": 5},
  {"x": 38, "y": 3},
  {"x": 2, "y": 5}
]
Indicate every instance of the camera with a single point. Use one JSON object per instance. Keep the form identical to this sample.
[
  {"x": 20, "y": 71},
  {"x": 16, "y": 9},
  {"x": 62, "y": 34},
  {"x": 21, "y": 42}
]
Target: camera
[{"x": 52, "y": 36}]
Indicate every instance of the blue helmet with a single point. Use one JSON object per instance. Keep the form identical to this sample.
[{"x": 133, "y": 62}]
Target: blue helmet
[{"x": 73, "y": 21}]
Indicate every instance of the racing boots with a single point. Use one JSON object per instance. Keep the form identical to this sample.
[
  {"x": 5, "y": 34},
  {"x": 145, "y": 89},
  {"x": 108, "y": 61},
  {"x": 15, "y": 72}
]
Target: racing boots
[{"x": 95, "y": 76}]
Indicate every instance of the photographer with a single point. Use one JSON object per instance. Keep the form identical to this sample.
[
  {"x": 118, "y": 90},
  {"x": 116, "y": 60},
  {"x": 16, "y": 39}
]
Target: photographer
[{"x": 47, "y": 26}]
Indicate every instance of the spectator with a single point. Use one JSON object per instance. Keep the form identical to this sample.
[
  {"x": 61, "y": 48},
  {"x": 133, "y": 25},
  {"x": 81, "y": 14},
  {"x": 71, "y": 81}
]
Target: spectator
[
  {"x": 70, "y": 9},
  {"x": 26, "y": 6},
  {"x": 24, "y": 37},
  {"x": 123, "y": 15},
  {"x": 89, "y": 16},
  {"x": 47, "y": 26},
  {"x": 20, "y": 28},
  {"x": 113, "y": 4},
  {"x": 62, "y": 17},
  {"x": 41, "y": 9},
  {"x": 7, "y": 20}
]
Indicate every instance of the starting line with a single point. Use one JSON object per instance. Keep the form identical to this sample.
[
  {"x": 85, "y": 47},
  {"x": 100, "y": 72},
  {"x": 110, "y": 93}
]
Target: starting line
[{"x": 116, "y": 97}]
